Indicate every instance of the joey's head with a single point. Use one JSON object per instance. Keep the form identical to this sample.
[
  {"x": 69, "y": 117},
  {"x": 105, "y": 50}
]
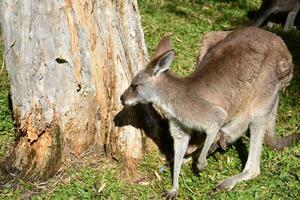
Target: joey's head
[{"x": 144, "y": 86}]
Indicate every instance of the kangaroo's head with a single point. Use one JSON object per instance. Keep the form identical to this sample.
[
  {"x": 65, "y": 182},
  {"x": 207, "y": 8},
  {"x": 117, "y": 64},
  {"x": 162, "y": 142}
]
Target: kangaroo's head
[{"x": 143, "y": 88}]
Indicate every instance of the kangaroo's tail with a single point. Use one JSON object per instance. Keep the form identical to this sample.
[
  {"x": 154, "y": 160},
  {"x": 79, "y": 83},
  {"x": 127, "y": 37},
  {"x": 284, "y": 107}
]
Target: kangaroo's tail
[{"x": 280, "y": 143}]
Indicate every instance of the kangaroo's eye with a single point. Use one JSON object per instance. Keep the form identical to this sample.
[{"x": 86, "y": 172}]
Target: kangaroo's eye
[{"x": 133, "y": 86}]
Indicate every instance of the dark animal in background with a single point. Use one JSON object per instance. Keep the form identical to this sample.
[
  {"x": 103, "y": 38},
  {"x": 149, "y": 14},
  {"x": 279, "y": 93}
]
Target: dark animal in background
[
  {"x": 234, "y": 88},
  {"x": 272, "y": 6}
]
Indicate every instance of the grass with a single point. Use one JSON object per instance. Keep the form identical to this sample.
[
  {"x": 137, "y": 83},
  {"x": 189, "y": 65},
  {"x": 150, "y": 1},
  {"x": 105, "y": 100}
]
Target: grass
[
  {"x": 188, "y": 21},
  {"x": 6, "y": 121}
]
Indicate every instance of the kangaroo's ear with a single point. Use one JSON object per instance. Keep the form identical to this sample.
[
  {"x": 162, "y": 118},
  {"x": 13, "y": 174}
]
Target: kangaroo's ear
[
  {"x": 163, "y": 46},
  {"x": 163, "y": 62}
]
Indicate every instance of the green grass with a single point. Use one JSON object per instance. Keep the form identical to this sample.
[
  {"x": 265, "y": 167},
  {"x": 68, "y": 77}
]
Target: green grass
[
  {"x": 6, "y": 121},
  {"x": 188, "y": 21}
]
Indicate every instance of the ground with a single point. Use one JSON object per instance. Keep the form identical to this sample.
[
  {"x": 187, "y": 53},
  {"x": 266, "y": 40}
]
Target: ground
[{"x": 98, "y": 177}]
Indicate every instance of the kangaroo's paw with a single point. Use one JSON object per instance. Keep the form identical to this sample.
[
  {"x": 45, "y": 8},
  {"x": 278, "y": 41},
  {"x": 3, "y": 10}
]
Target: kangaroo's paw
[
  {"x": 201, "y": 165},
  {"x": 229, "y": 183},
  {"x": 225, "y": 185},
  {"x": 171, "y": 194}
]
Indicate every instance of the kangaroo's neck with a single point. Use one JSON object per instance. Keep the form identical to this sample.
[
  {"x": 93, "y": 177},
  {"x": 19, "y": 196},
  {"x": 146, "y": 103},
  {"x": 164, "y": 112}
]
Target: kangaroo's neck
[
  {"x": 170, "y": 86},
  {"x": 170, "y": 91}
]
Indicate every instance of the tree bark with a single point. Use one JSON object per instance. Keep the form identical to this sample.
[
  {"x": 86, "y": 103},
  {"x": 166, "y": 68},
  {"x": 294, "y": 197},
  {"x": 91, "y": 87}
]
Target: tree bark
[{"x": 68, "y": 62}]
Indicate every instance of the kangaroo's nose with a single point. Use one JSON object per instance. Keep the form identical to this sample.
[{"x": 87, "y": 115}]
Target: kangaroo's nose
[{"x": 122, "y": 99}]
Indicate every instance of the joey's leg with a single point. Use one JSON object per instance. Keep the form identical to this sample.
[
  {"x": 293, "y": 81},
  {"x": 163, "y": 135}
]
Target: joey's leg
[
  {"x": 289, "y": 23},
  {"x": 219, "y": 142},
  {"x": 210, "y": 137},
  {"x": 181, "y": 141},
  {"x": 252, "y": 168},
  {"x": 230, "y": 132}
]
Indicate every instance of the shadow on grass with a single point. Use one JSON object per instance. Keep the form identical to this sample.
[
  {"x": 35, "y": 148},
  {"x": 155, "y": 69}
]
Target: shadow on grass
[
  {"x": 145, "y": 117},
  {"x": 239, "y": 145}
]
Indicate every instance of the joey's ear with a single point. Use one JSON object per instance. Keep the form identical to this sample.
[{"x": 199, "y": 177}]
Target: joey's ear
[{"x": 163, "y": 63}]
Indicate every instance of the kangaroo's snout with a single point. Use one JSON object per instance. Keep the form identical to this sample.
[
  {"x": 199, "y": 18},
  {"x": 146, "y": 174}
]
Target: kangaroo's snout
[{"x": 122, "y": 99}]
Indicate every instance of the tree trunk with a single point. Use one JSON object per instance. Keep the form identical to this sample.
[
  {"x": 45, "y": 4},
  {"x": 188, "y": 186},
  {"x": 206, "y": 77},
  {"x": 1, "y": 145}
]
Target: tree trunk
[{"x": 68, "y": 62}]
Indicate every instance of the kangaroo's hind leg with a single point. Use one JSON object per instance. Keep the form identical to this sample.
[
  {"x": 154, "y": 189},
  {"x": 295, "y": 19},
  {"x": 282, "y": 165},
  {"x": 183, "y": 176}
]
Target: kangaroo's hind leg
[{"x": 252, "y": 169}]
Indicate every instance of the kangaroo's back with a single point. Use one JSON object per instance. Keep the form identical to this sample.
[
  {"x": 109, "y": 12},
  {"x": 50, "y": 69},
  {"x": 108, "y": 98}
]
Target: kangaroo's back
[{"x": 232, "y": 70}]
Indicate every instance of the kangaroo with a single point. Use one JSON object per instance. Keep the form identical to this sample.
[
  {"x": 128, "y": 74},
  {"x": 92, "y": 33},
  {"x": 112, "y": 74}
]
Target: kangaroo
[
  {"x": 270, "y": 6},
  {"x": 235, "y": 87}
]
